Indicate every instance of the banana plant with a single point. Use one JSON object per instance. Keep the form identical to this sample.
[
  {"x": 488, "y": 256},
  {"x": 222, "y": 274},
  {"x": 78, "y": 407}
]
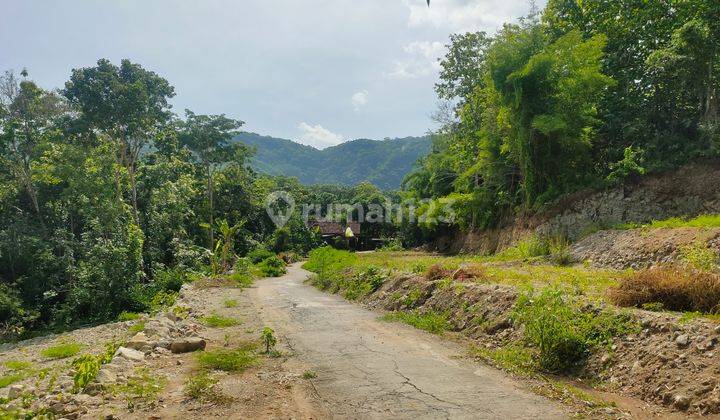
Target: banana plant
[{"x": 222, "y": 255}]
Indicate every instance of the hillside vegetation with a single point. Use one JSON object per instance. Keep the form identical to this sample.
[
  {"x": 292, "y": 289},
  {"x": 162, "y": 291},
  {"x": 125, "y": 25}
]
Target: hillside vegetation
[
  {"x": 580, "y": 95},
  {"x": 382, "y": 163}
]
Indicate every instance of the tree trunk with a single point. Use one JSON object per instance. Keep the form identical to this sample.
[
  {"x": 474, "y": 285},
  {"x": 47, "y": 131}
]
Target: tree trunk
[{"x": 211, "y": 207}]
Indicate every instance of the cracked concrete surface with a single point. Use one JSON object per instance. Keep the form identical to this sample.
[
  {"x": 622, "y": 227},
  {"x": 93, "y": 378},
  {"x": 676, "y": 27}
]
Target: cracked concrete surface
[{"x": 368, "y": 368}]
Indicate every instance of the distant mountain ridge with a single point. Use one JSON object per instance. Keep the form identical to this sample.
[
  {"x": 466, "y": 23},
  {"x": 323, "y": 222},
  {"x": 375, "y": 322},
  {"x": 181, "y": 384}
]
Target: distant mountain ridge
[{"x": 381, "y": 162}]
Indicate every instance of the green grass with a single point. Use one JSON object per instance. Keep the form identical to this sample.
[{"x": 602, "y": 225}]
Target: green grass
[
  {"x": 61, "y": 351},
  {"x": 17, "y": 365},
  {"x": 218, "y": 321},
  {"x": 431, "y": 321},
  {"x": 236, "y": 360},
  {"x": 128, "y": 316},
  {"x": 703, "y": 221},
  {"x": 143, "y": 386},
  {"x": 231, "y": 303},
  {"x": 309, "y": 374},
  {"x": 513, "y": 358},
  {"x": 10, "y": 379},
  {"x": 137, "y": 327},
  {"x": 583, "y": 280}
]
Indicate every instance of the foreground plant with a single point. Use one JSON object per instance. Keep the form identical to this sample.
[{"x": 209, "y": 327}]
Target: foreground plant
[{"x": 563, "y": 331}]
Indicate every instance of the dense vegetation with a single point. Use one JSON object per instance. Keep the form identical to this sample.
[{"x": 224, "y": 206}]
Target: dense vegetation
[
  {"x": 108, "y": 199},
  {"x": 582, "y": 94},
  {"x": 382, "y": 163}
]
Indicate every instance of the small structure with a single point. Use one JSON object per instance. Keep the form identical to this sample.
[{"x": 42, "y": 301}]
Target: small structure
[{"x": 334, "y": 229}]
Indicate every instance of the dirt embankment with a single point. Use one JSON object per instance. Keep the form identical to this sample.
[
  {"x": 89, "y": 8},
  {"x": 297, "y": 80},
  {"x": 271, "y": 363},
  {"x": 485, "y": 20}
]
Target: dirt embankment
[
  {"x": 688, "y": 191},
  {"x": 642, "y": 248},
  {"x": 669, "y": 363},
  {"x": 149, "y": 375}
]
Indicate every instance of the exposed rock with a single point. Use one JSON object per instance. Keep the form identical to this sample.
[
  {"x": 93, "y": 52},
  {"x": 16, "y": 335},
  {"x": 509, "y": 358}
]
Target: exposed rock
[
  {"x": 139, "y": 341},
  {"x": 682, "y": 340},
  {"x": 188, "y": 344},
  {"x": 106, "y": 376},
  {"x": 130, "y": 354},
  {"x": 681, "y": 402},
  {"x": 15, "y": 391}
]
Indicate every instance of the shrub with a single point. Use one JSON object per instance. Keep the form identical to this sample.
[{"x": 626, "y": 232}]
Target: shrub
[
  {"x": 217, "y": 321},
  {"x": 236, "y": 360},
  {"x": 272, "y": 267},
  {"x": 533, "y": 246},
  {"x": 242, "y": 273},
  {"x": 86, "y": 370},
  {"x": 163, "y": 299},
  {"x": 268, "y": 339},
  {"x": 564, "y": 333},
  {"x": 559, "y": 249},
  {"x": 363, "y": 283},
  {"x": 430, "y": 321},
  {"x": 61, "y": 351},
  {"x": 309, "y": 374},
  {"x": 676, "y": 288},
  {"x": 258, "y": 255},
  {"x": 171, "y": 279}
]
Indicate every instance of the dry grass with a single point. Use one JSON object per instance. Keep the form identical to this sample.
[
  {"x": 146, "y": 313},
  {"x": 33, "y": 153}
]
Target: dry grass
[
  {"x": 436, "y": 272},
  {"x": 678, "y": 289},
  {"x": 468, "y": 272}
]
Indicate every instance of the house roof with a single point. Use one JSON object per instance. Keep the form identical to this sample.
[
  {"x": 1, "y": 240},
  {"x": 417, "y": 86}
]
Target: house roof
[{"x": 334, "y": 228}]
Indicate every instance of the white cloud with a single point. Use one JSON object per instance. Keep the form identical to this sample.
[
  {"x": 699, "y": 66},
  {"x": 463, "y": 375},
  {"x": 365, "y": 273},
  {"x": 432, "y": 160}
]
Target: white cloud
[
  {"x": 421, "y": 59},
  {"x": 359, "y": 99},
  {"x": 466, "y": 15},
  {"x": 318, "y": 136}
]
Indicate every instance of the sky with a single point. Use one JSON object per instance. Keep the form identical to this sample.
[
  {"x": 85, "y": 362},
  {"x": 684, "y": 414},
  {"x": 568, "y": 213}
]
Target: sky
[{"x": 319, "y": 72}]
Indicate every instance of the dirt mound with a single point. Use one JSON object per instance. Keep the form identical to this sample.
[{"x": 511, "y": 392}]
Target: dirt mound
[{"x": 640, "y": 248}]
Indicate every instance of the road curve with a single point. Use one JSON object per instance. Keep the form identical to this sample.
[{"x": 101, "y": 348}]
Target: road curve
[{"x": 368, "y": 368}]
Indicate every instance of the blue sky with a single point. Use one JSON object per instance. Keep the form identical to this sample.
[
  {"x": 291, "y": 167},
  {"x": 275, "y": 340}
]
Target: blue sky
[{"x": 315, "y": 71}]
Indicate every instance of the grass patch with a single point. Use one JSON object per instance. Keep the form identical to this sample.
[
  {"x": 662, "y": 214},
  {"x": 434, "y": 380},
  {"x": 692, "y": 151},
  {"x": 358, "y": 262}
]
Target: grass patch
[
  {"x": 431, "y": 321},
  {"x": 231, "y": 303},
  {"x": 128, "y": 316},
  {"x": 676, "y": 288},
  {"x": 143, "y": 387},
  {"x": 513, "y": 358},
  {"x": 309, "y": 374},
  {"x": 217, "y": 321},
  {"x": 237, "y": 360},
  {"x": 61, "y": 351},
  {"x": 137, "y": 327},
  {"x": 562, "y": 330},
  {"x": 10, "y": 379},
  {"x": 203, "y": 387},
  {"x": 17, "y": 365},
  {"x": 703, "y": 221}
]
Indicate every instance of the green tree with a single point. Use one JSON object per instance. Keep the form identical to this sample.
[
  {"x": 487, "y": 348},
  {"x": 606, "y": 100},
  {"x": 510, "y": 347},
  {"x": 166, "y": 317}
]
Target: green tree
[
  {"x": 208, "y": 138},
  {"x": 127, "y": 103}
]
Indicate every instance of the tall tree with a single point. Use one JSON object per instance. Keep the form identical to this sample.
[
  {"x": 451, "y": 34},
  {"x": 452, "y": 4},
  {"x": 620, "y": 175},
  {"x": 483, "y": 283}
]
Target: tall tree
[
  {"x": 208, "y": 138},
  {"x": 26, "y": 115},
  {"x": 127, "y": 103}
]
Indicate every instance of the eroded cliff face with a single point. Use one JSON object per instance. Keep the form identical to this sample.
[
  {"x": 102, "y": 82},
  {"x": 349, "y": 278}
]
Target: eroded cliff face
[{"x": 686, "y": 192}]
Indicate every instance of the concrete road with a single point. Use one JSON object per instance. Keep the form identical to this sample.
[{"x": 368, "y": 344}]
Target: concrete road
[{"x": 367, "y": 368}]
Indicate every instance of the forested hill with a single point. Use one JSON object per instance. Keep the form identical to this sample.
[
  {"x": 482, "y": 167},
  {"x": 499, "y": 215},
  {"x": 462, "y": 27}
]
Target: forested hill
[{"x": 381, "y": 162}]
